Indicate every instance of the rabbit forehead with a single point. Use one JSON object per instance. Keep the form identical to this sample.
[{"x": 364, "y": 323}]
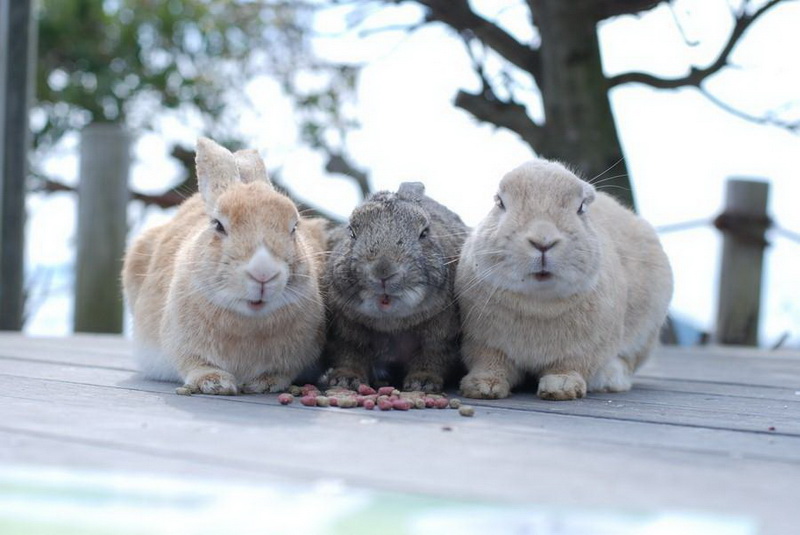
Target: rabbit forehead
[
  {"x": 394, "y": 214},
  {"x": 543, "y": 183},
  {"x": 256, "y": 203}
]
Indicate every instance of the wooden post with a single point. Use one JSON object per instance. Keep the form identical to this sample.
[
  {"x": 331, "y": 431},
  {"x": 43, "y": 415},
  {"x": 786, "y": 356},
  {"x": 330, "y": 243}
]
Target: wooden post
[
  {"x": 102, "y": 226},
  {"x": 17, "y": 66},
  {"x": 743, "y": 225}
]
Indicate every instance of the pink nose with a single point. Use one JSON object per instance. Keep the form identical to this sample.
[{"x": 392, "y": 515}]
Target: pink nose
[{"x": 262, "y": 277}]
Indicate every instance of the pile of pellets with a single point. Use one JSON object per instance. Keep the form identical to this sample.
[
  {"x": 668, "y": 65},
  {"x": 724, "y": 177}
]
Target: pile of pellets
[{"x": 385, "y": 398}]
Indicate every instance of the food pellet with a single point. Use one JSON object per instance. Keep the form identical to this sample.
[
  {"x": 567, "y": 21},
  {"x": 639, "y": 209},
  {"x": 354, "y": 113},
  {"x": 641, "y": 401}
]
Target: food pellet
[
  {"x": 441, "y": 403},
  {"x": 466, "y": 410},
  {"x": 309, "y": 401},
  {"x": 455, "y": 403},
  {"x": 347, "y": 403},
  {"x": 295, "y": 390},
  {"x": 285, "y": 398},
  {"x": 401, "y": 405},
  {"x": 386, "y": 390},
  {"x": 365, "y": 390},
  {"x": 384, "y": 404},
  {"x": 333, "y": 401},
  {"x": 183, "y": 391},
  {"x": 419, "y": 403},
  {"x": 323, "y": 401},
  {"x": 369, "y": 404}
]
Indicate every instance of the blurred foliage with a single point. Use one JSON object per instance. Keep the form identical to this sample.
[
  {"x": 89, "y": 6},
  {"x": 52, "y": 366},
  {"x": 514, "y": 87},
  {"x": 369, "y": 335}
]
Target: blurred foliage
[{"x": 132, "y": 60}]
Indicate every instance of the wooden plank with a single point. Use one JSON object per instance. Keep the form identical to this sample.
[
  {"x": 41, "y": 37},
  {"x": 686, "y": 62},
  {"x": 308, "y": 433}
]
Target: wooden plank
[
  {"x": 478, "y": 458},
  {"x": 653, "y": 406},
  {"x": 624, "y": 426},
  {"x": 781, "y": 369}
]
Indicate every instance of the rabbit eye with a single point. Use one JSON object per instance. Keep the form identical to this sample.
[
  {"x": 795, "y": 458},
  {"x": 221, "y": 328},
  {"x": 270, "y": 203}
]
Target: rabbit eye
[
  {"x": 499, "y": 202},
  {"x": 294, "y": 229},
  {"x": 424, "y": 233},
  {"x": 352, "y": 233},
  {"x": 582, "y": 208},
  {"x": 217, "y": 224}
]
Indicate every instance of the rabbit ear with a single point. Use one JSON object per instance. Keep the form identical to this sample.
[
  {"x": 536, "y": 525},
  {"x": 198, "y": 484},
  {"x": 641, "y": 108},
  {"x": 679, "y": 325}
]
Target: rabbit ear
[
  {"x": 412, "y": 191},
  {"x": 251, "y": 166},
  {"x": 216, "y": 169}
]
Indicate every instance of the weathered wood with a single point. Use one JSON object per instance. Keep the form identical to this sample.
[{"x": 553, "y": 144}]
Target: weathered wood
[
  {"x": 743, "y": 224},
  {"x": 102, "y": 226},
  {"x": 694, "y": 434},
  {"x": 17, "y": 66}
]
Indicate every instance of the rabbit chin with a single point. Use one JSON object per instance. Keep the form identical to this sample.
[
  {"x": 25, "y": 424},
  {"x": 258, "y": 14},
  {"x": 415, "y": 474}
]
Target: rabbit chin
[
  {"x": 540, "y": 285},
  {"x": 250, "y": 308},
  {"x": 393, "y": 306}
]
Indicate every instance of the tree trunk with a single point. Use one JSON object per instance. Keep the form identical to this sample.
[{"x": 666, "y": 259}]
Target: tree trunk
[{"x": 579, "y": 123}]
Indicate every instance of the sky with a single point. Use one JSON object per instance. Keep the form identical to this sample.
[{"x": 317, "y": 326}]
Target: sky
[{"x": 680, "y": 148}]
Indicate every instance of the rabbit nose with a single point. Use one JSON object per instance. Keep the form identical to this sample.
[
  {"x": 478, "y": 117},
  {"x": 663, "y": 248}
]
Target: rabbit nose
[
  {"x": 262, "y": 277},
  {"x": 262, "y": 266},
  {"x": 543, "y": 245},
  {"x": 383, "y": 271}
]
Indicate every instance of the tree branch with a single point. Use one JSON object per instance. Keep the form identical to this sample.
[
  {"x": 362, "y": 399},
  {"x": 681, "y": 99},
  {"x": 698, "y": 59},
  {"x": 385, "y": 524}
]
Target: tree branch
[
  {"x": 605, "y": 9},
  {"x": 697, "y": 75},
  {"x": 511, "y": 115},
  {"x": 793, "y": 127},
  {"x": 458, "y": 15},
  {"x": 337, "y": 163}
]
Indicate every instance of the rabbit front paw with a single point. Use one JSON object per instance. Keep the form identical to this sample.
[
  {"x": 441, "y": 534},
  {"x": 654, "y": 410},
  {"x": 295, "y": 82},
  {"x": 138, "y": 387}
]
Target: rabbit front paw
[
  {"x": 431, "y": 383},
  {"x": 219, "y": 383},
  {"x": 266, "y": 382},
  {"x": 561, "y": 386},
  {"x": 485, "y": 385},
  {"x": 345, "y": 378}
]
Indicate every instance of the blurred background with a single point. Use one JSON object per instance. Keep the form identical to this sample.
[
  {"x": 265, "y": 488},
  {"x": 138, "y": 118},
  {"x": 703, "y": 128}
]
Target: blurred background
[{"x": 657, "y": 102}]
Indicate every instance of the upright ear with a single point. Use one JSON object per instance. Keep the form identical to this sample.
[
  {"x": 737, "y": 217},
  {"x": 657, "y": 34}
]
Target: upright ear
[
  {"x": 411, "y": 191},
  {"x": 216, "y": 169},
  {"x": 251, "y": 166}
]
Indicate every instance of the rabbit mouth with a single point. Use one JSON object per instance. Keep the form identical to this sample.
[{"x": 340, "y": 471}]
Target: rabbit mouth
[
  {"x": 256, "y": 305},
  {"x": 385, "y": 302},
  {"x": 543, "y": 275}
]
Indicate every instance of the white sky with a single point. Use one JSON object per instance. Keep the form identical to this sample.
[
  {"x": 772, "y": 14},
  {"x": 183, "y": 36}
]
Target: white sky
[{"x": 679, "y": 147}]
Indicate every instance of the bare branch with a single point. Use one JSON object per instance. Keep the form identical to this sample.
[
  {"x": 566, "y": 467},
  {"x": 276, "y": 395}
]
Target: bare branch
[
  {"x": 605, "y": 9},
  {"x": 792, "y": 126},
  {"x": 697, "y": 75},
  {"x": 338, "y": 163},
  {"x": 458, "y": 15},
  {"x": 511, "y": 115}
]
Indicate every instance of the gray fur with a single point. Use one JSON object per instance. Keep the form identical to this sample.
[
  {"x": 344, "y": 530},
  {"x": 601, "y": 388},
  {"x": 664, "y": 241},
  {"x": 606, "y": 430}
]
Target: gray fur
[{"x": 417, "y": 327}]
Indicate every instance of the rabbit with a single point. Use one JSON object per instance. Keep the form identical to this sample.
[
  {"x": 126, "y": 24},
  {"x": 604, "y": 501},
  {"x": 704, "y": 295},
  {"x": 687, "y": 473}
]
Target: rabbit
[
  {"x": 225, "y": 296},
  {"x": 388, "y": 284},
  {"x": 562, "y": 282}
]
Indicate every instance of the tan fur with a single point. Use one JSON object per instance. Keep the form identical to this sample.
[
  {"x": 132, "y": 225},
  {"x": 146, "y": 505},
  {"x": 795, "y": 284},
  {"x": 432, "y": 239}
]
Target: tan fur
[
  {"x": 188, "y": 285},
  {"x": 587, "y": 325}
]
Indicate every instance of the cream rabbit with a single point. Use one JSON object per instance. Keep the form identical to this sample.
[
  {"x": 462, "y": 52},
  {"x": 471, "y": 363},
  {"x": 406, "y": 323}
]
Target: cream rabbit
[
  {"x": 225, "y": 296},
  {"x": 562, "y": 282}
]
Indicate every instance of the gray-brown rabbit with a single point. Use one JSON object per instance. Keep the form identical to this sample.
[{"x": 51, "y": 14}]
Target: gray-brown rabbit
[{"x": 389, "y": 290}]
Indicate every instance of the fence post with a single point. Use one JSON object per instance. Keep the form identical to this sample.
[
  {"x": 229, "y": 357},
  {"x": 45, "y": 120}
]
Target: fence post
[
  {"x": 743, "y": 224},
  {"x": 17, "y": 69},
  {"x": 102, "y": 226}
]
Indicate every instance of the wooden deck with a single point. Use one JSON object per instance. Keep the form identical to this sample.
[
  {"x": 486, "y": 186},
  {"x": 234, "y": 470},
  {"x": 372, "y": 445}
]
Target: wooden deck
[{"x": 712, "y": 431}]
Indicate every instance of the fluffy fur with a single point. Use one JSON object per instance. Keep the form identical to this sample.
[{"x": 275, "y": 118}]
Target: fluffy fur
[
  {"x": 561, "y": 282},
  {"x": 389, "y": 287},
  {"x": 225, "y": 296}
]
